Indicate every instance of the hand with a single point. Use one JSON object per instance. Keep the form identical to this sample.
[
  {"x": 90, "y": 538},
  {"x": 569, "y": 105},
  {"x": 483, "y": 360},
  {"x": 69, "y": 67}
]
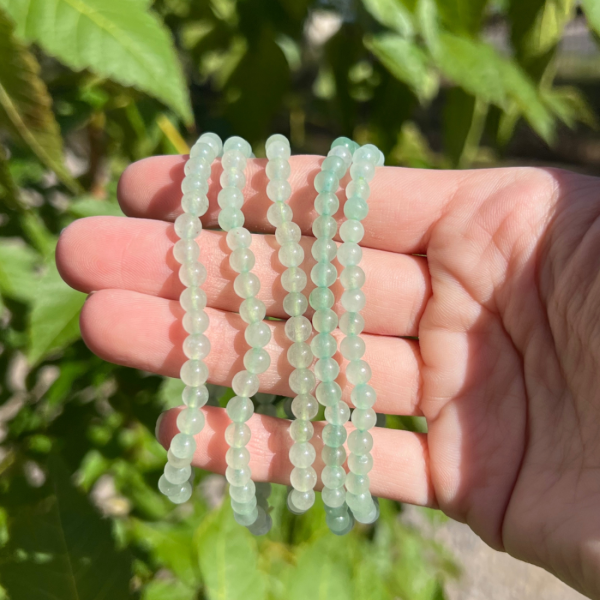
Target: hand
[{"x": 505, "y": 305}]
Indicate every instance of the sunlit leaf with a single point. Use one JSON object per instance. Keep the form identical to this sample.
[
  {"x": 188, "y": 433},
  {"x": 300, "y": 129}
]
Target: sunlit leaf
[
  {"x": 92, "y": 207},
  {"x": 17, "y": 269},
  {"x": 392, "y": 14},
  {"x": 168, "y": 589},
  {"x": 462, "y": 16},
  {"x": 591, "y": 8}
]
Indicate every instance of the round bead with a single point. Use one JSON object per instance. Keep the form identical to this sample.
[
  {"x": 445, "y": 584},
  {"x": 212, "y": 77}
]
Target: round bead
[
  {"x": 352, "y": 231},
  {"x": 243, "y": 508},
  {"x": 291, "y": 254},
  {"x": 238, "y": 237},
  {"x": 362, "y": 169},
  {"x": 246, "y": 285},
  {"x": 324, "y": 250},
  {"x": 360, "y": 442},
  {"x": 230, "y": 197},
  {"x": 263, "y": 490},
  {"x": 340, "y": 524},
  {"x": 326, "y": 181},
  {"x": 325, "y": 320},
  {"x": 352, "y": 323},
  {"x": 300, "y": 355},
  {"x": 238, "y": 476},
  {"x": 357, "y": 484},
  {"x": 197, "y": 167},
  {"x": 183, "y": 495},
  {"x": 295, "y": 304},
  {"x": 363, "y": 396},
  {"x": 345, "y": 142},
  {"x": 279, "y": 190},
  {"x": 368, "y": 152},
  {"x": 191, "y": 185},
  {"x": 293, "y": 280},
  {"x": 278, "y": 168},
  {"x": 369, "y": 517},
  {"x": 328, "y": 393},
  {"x": 327, "y": 203},
  {"x": 240, "y": 409},
  {"x": 333, "y": 477},
  {"x": 334, "y": 435},
  {"x": 321, "y": 298},
  {"x": 358, "y": 371},
  {"x": 356, "y": 208},
  {"x": 167, "y": 488},
  {"x": 190, "y": 421},
  {"x": 237, "y": 435},
  {"x": 192, "y": 275},
  {"x": 301, "y": 430},
  {"x": 323, "y": 345},
  {"x": 201, "y": 149},
  {"x": 302, "y": 381},
  {"x": 245, "y": 384},
  {"x": 349, "y": 253},
  {"x": 279, "y": 213},
  {"x": 258, "y": 335},
  {"x": 237, "y": 458},
  {"x": 338, "y": 414},
  {"x": 211, "y": 139},
  {"x": 352, "y": 278},
  {"x": 352, "y": 347},
  {"x": 359, "y": 188},
  {"x": 177, "y": 476},
  {"x": 364, "y": 418},
  {"x": 178, "y": 463},
  {"x": 257, "y": 360},
  {"x": 298, "y": 329},
  {"x": 359, "y": 503},
  {"x": 247, "y": 519},
  {"x": 194, "y": 203},
  {"x": 334, "y": 457},
  {"x": 300, "y": 502},
  {"x": 187, "y": 227},
  {"x": 244, "y": 493},
  {"x": 194, "y": 372},
  {"x": 186, "y": 251},
  {"x": 303, "y": 479},
  {"x": 334, "y": 497},
  {"x": 276, "y": 137},
  {"x": 353, "y": 300},
  {"x": 242, "y": 260},
  {"x": 324, "y": 226},
  {"x": 323, "y": 274},
  {"x": 195, "y": 397},
  {"x": 302, "y": 454},
  {"x": 278, "y": 148},
  {"x": 305, "y": 406},
  {"x": 288, "y": 232},
  {"x": 361, "y": 464},
  {"x": 234, "y": 159},
  {"x": 343, "y": 153},
  {"x": 183, "y": 445},
  {"x": 230, "y": 218},
  {"x": 327, "y": 369},
  {"x": 237, "y": 143},
  {"x": 196, "y": 346},
  {"x": 335, "y": 164},
  {"x": 252, "y": 310},
  {"x": 263, "y": 523}
]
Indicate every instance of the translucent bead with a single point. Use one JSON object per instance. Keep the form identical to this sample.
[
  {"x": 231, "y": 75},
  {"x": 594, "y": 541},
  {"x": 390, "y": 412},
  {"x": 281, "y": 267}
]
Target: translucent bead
[
  {"x": 338, "y": 414},
  {"x": 305, "y": 406},
  {"x": 356, "y": 208},
  {"x": 167, "y": 488},
  {"x": 234, "y": 159},
  {"x": 278, "y": 149},
  {"x": 237, "y": 435},
  {"x": 358, "y": 371},
  {"x": 278, "y": 168},
  {"x": 334, "y": 457},
  {"x": 369, "y": 153},
  {"x": 238, "y": 476},
  {"x": 352, "y": 323},
  {"x": 291, "y": 254},
  {"x": 345, "y": 142},
  {"x": 360, "y": 464},
  {"x": 276, "y": 137},
  {"x": 245, "y": 384},
  {"x": 186, "y": 251},
  {"x": 240, "y": 409},
  {"x": 279, "y": 213},
  {"x": 192, "y": 275},
  {"x": 325, "y": 320},
  {"x": 327, "y": 203},
  {"x": 359, "y": 503},
  {"x": 323, "y": 345},
  {"x": 363, "y": 396},
  {"x": 362, "y": 169},
  {"x": 357, "y": 484},
  {"x": 183, "y": 495},
  {"x": 334, "y": 164},
  {"x": 302, "y": 454},
  {"x": 257, "y": 360},
  {"x": 333, "y": 497},
  {"x": 192, "y": 184},
  {"x": 301, "y": 501},
  {"x": 263, "y": 523},
  {"x": 247, "y": 519},
  {"x": 196, "y": 346},
  {"x": 237, "y": 458},
  {"x": 197, "y": 167},
  {"x": 359, "y": 188},
  {"x": 243, "y": 508},
  {"x": 298, "y": 329},
  {"x": 340, "y": 524},
  {"x": 231, "y": 197},
  {"x": 238, "y": 237},
  {"x": 178, "y": 463},
  {"x": 323, "y": 274},
  {"x": 190, "y": 421},
  {"x": 303, "y": 479},
  {"x": 293, "y": 280},
  {"x": 201, "y": 149},
  {"x": 177, "y": 476},
  {"x": 328, "y": 393},
  {"x": 242, "y": 260},
  {"x": 360, "y": 442},
  {"x": 212, "y": 140},
  {"x": 263, "y": 490},
  {"x": 194, "y": 372},
  {"x": 288, "y": 232},
  {"x": 230, "y": 218},
  {"x": 369, "y": 517},
  {"x": 324, "y": 250},
  {"x": 183, "y": 445},
  {"x": 193, "y": 299},
  {"x": 353, "y": 300},
  {"x": 252, "y": 310},
  {"x": 364, "y": 418},
  {"x": 237, "y": 143},
  {"x": 195, "y": 204},
  {"x": 246, "y": 285},
  {"x": 258, "y": 335},
  {"x": 334, "y": 435},
  {"x": 300, "y": 355},
  {"x": 327, "y": 369},
  {"x": 301, "y": 431},
  {"x": 321, "y": 298},
  {"x": 279, "y": 190},
  {"x": 187, "y": 227},
  {"x": 352, "y": 347},
  {"x": 243, "y": 493},
  {"x": 324, "y": 226},
  {"x": 343, "y": 153},
  {"x": 352, "y": 278},
  {"x": 295, "y": 304},
  {"x": 195, "y": 397},
  {"x": 349, "y": 253},
  {"x": 333, "y": 477},
  {"x": 326, "y": 181},
  {"x": 302, "y": 381}
]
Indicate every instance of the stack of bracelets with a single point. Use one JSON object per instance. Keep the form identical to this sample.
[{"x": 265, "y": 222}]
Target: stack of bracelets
[{"x": 346, "y": 496}]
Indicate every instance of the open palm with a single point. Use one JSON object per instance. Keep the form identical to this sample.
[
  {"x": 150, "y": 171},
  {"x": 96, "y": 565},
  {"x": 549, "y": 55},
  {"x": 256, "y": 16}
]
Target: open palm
[{"x": 495, "y": 271}]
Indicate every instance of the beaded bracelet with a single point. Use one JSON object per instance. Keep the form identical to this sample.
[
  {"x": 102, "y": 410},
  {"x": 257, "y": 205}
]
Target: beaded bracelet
[
  {"x": 175, "y": 483},
  {"x": 246, "y": 509},
  {"x": 324, "y": 345},
  {"x": 352, "y": 347}
]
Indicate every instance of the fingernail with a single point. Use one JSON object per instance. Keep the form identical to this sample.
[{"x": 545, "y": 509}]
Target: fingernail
[{"x": 158, "y": 422}]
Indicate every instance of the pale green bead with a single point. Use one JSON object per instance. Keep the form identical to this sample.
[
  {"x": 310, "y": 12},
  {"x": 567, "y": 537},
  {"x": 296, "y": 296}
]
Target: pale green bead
[
  {"x": 204, "y": 150},
  {"x": 279, "y": 213},
  {"x": 323, "y": 274},
  {"x": 195, "y": 397},
  {"x": 263, "y": 523},
  {"x": 253, "y": 310},
  {"x": 340, "y": 524},
  {"x": 343, "y": 153},
  {"x": 362, "y": 169},
  {"x": 246, "y": 285},
  {"x": 237, "y": 143},
  {"x": 242, "y": 260},
  {"x": 243, "y": 493},
  {"x": 278, "y": 168},
  {"x": 196, "y": 346},
  {"x": 188, "y": 227},
  {"x": 363, "y": 396},
  {"x": 368, "y": 152},
  {"x": 276, "y": 137},
  {"x": 192, "y": 275},
  {"x": 324, "y": 250},
  {"x": 360, "y": 464},
  {"x": 303, "y": 479},
  {"x": 194, "y": 203},
  {"x": 300, "y": 355},
  {"x": 193, "y": 299},
  {"x": 247, "y": 519},
  {"x": 305, "y": 406},
  {"x": 230, "y": 197},
  {"x": 186, "y": 251},
  {"x": 177, "y": 462},
  {"x": 194, "y": 184},
  {"x": 177, "y": 476},
  {"x": 352, "y": 347},
  {"x": 301, "y": 430},
  {"x": 352, "y": 323},
  {"x": 302, "y": 381},
  {"x": 293, "y": 279},
  {"x": 195, "y": 321},
  {"x": 369, "y": 517},
  {"x": 238, "y": 476},
  {"x": 234, "y": 159},
  {"x": 327, "y": 369},
  {"x": 360, "y": 442},
  {"x": 352, "y": 278},
  {"x": 334, "y": 497},
  {"x": 325, "y": 320},
  {"x": 334, "y": 435},
  {"x": 321, "y": 298},
  {"x": 194, "y": 372},
  {"x": 364, "y": 418},
  {"x": 359, "y": 188},
  {"x": 258, "y": 335},
  {"x": 349, "y": 253},
  {"x": 338, "y": 414},
  {"x": 359, "y": 503},
  {"x": 295, "y": 304},
  {"x": 243, "y": 508},
  {"x": 240, "y": 409},
  {"x": 334, "y": 164},
  {"x": 298, "y": 329},
  {"x": 333, "y": 477},
  {"x": 183, "y": 445},
  {"x": 263, "y": 490},
  {"x": 230, "y": 218},
  {"x": 279, "y": 190},
  {"x": 245, "y": 384},
  {"x": 237, "y": 458},
  {"x": 232, "y": 178},
  {"x": 212, "y": 140},
  {"x": 333, "y": 457},
  {"x": 357, "y": 484},
  {"x": 288, "y": 232},
  {"x": 358, "y": 371},
  {"x": 356, "y": 208},
  {"x": 197, "y": 167},
  {"x": 291, "y": 254},
  {"x": 257, "y": 360},
  {"x": 328, "y": 393},
  {"x": 237, "y": 435},
  {"x": 183, "y": 495},
  {"x": 238, "y": 237},
  {"x": 352, "y": 231},
  {"x": 323, "y": 345},
  {"x": 190, "y": 421},
  {"x": 324, "y": 226},
  {"x": 345, "y": 142},
  {"x": 326, "y": 181},
  {"x": 353, "y": 301},
  {"x": 327, "y": 203},
  {"x": 278, "y": 149},
  {"x": 302, "y": 454},
  {"x": 301, "y": 501},
  {"x": 167, "y": 488}
]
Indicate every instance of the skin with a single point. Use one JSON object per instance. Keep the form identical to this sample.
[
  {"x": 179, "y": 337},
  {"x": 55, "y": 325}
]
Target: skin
[{"x": 496, "y": 272}]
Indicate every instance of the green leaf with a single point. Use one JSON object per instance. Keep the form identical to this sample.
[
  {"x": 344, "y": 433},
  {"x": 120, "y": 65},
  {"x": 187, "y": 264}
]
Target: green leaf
[
  {"x": 406, "y": 61},
  {"x": 92, "y": 207},
  {"x": 571, "y": 107},
  {"x": 462, "y": 16},
  {"x": 228, "y": 559},
  {"x": 25, "y": 105},
  {"x": 9, "y": 192},
  {"x": 118, "y": 39},
  {"x": 59, "y": 547},
  {"x": 392, "y": 14},
  {"x": 168, "y": 589},
  {"x": 17, "y": 269},
  {"x": 591, "y": 8},
  {"x": 54, "y": 319}
]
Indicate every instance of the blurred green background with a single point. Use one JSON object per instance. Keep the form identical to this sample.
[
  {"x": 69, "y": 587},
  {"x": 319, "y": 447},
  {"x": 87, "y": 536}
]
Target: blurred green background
[{"x": 86, "y": 87}]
